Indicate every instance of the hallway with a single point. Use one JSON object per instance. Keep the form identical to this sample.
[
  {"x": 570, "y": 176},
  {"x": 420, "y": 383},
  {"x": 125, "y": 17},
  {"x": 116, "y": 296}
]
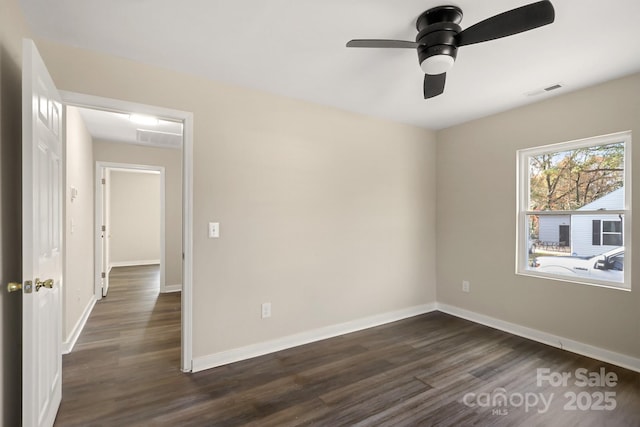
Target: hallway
[{"x": 128, "y": 348}]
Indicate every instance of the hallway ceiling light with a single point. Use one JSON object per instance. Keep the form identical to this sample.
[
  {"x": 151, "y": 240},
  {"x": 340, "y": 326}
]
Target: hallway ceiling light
[{"x": 143, "y": 120}]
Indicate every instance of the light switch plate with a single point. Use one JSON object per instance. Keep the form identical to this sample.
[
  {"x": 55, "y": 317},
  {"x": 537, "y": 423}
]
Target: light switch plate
[{"x": 214, "y": 230}]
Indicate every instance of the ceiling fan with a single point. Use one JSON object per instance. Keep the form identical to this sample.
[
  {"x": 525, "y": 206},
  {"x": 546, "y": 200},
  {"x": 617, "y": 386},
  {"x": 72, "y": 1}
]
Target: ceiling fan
[{"x": 439, "y": 37}]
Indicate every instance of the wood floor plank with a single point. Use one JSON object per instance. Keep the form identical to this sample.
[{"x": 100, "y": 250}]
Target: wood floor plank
[{"x": 124, "y": 371}]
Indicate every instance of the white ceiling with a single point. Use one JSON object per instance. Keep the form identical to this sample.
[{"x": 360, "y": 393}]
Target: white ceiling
[{"x": 296, "y": 48}]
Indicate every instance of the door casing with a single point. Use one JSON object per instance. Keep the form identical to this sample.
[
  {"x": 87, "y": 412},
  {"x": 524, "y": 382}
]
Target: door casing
[
  {"x": 110, "y": 104},
  {"x": 101, "y": 251}
]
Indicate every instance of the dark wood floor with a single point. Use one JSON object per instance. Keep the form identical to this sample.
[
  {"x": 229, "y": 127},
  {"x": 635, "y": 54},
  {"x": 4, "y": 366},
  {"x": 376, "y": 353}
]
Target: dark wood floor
[{"x": 124, "y": 371}]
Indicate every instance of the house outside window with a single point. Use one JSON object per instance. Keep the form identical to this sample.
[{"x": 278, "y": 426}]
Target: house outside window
[{"x": 574, "y": 211}]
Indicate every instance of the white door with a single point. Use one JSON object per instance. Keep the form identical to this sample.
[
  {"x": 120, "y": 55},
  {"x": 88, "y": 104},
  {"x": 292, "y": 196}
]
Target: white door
[
  {"x": 41, "y": 241},
  {"x": 106, "y": 232}
]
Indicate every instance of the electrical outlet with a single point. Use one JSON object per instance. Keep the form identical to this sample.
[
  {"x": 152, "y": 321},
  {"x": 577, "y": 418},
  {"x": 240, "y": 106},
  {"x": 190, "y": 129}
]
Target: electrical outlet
[
  {"x": 266, "y": 310},
  {"x": 465, "y": 286}
]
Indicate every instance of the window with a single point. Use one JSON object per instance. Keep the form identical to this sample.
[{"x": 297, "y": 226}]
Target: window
[
  {"x": 612, "y": 233},
  {"x": 573, "y": 211}
]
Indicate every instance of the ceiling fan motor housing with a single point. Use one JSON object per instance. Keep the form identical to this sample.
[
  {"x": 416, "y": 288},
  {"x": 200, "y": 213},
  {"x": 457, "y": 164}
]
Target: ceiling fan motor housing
[{"x": 437, "y": 35}]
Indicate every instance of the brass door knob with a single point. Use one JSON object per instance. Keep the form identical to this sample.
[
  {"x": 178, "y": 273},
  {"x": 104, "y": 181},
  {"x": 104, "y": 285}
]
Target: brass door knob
[
  {"x": 46, "y": 284},
  {"x": 14, "y": 287}
]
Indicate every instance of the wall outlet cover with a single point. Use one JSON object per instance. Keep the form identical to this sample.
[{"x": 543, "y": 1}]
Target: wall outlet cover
[{"x": 266, "y": 310}]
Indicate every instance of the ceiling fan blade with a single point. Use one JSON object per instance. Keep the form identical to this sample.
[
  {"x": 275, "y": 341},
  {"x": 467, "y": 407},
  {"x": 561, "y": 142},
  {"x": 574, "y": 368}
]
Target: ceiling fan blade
[
  {"x": 434, "y": 85},
  {"x": 396, "y": 44},
  {"x": 514, "y": 21}
]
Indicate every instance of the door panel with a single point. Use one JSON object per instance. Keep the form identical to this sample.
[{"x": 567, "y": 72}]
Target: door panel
[{"x": 41, "y": 236}]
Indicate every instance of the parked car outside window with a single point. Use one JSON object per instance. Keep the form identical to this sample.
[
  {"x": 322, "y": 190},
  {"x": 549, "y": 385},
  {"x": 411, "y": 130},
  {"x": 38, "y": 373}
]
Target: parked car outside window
[{"x": 608, "y": 266}]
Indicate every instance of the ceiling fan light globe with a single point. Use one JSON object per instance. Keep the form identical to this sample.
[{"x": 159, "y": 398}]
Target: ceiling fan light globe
[{"x": 437, "y": 64}]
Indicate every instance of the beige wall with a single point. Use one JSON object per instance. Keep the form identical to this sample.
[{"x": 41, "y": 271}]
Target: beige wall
[
  {"x": 171, "y": 160},
  {"x": 79, "y": 279},
  {"x": 476, "y": 218},
  {"x": 328, "y": 215},
  {"x": 12, "y": 29},
  {"x": 134, "y": 217}
]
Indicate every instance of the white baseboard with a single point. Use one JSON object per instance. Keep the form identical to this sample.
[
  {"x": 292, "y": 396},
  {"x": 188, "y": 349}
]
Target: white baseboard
[
  {"x": 598, "y": 353},
  {"x": 254, "y": 350},
  {"x": 133, "y": 263},
  {"x": 67, "y": 345},
  {"x": 172, "y": 288}
]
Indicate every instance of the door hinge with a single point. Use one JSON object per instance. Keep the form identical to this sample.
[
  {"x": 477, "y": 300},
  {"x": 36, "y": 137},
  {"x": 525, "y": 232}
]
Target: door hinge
[
  {"x": 104, "y": 181},
  {"x": 103, "y": 275},
  {"x": 103, "y": 228}
]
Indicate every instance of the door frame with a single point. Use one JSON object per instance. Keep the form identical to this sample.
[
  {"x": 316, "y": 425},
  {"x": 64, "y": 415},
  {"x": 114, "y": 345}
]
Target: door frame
[
  {"x": 101, "y": 218},
  {"x": 110, "y": 104}
]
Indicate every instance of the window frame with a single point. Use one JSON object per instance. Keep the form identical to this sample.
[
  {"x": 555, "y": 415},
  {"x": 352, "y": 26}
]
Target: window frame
[{"x": 523, "y": 212}]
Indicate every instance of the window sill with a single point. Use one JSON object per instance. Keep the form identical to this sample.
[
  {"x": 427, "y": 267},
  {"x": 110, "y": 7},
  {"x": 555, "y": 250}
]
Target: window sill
[{"x": 574, "y": 280}]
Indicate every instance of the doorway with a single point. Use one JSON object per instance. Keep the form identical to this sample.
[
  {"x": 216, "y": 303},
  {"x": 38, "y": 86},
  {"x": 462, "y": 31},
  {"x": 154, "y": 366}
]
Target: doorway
[
  {"x": 185, "y": 204},
  {"x": 130, "y": 213},
  {"x": 565, "y": 235}
]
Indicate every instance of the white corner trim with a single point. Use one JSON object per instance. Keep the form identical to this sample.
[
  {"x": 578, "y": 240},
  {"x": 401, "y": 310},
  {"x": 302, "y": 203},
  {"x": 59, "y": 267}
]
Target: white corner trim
[
  {"x": 562, "y": 343},
  {"x": 254, "y": 350},
  {"x": 133, "y": 263},
  {"x": 67, "y": 345},
  {"x": 172, "y": 288}
]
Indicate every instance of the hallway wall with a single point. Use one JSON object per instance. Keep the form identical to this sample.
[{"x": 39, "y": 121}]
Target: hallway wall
[
  {"x": 78, "y": 289},
  {"x": 135, "y": 218}
]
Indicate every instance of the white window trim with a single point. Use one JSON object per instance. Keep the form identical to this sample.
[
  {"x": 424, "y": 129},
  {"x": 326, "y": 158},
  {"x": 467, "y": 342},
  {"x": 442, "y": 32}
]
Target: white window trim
[{"x": 522, "y": 208}]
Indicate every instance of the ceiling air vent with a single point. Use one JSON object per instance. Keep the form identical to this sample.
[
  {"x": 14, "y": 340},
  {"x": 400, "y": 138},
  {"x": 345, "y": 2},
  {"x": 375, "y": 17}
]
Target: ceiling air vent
[
  {"x": 554, "y": 87},
  {"x": 159, "y": 139},
  {"x": 545, "y": 90}
]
